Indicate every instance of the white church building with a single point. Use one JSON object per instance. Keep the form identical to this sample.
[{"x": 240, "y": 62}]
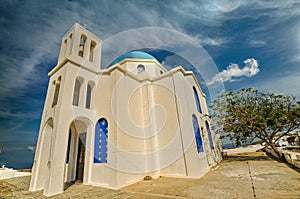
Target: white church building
[{"x": 111, "y": 127}]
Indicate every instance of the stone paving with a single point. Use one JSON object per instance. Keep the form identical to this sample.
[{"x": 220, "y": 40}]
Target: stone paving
[{"x": 242, "y": 176}]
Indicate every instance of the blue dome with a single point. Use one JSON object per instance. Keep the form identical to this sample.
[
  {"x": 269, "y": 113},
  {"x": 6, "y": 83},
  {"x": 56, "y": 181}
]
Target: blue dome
[{"x": 134, "y": 55}]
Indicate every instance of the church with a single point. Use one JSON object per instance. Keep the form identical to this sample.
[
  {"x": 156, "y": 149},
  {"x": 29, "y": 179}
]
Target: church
[{"x": 114, "y": 126}]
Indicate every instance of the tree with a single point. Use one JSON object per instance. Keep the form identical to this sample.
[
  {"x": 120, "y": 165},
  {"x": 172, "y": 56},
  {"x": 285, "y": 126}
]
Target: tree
[
  {"x": 248, "y": 114},
  {"x": 1, "y": 148}
]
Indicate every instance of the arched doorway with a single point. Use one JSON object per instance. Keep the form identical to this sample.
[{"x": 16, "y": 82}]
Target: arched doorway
[{"x": 76, "y": 152}]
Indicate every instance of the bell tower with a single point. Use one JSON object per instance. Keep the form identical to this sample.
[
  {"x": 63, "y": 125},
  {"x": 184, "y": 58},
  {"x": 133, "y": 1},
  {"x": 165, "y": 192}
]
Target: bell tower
[
  {"x": 71, "y": 89},
  {"x": 81, "y": 47}
]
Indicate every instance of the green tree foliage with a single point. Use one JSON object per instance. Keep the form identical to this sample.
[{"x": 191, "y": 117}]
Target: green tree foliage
[{"x": 248, "y": 114}]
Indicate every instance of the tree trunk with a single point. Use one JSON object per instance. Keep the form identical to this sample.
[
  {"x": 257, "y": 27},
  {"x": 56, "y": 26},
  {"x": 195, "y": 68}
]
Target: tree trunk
[{"x": 275, "y": 149}]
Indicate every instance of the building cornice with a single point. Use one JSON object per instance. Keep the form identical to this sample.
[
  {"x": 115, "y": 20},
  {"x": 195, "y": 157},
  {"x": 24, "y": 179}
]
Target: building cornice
[{"x": 130, "y": 74}]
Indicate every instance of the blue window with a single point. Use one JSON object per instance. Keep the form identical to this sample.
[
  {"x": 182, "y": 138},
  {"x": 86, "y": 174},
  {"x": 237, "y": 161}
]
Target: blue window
[
  {"x": 197, "y": 100},
  {"x": 209, "y": 135},
  {"x": 100, "y": 150},
  {"x": 197, "y": 134}
]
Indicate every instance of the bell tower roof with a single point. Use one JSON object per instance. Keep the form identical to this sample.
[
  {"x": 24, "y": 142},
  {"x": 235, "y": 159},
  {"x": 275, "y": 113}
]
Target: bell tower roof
[{"x": 80, "y": 47}]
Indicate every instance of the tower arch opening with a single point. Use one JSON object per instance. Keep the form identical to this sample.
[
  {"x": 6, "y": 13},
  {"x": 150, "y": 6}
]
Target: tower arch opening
[
  {"x": 92, "y": 49},
  {"x": 82, "y": 43}
]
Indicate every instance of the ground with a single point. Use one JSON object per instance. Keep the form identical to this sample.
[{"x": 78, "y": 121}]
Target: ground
[{"x": 247, "y": 175}]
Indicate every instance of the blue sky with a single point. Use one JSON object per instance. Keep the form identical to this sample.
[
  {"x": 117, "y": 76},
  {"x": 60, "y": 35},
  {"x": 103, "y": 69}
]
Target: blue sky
[{"x": 253, "y": 44}]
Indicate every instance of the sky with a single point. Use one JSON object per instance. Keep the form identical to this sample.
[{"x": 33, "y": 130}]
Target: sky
[{"x": 251, "y": 43}]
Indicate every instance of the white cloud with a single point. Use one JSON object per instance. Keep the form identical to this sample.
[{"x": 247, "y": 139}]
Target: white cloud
[
  {"x": 251, "y": 67},
  {"x": 205, "y": 40},
  {"x": 224, "y": 6},
  {"x": 233, "y": 71},
  {"x": 257, "y": 43}
]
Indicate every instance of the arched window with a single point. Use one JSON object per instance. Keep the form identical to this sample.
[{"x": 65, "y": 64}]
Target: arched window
[
  {"x": 88, "y": 96},
  {"x": 89, "y": 93},
  {"x": 56, "y": 92},
  {"x": 197, "y": 134},
  {"x": 100, "y": 150},
  {"x": 140, "y": 68},
  {"x": 197, "y": 100},
  {"x": 76, "y": 93},
  {"x": 209, "y": 135},
  {"x": 92, "y": 48}
]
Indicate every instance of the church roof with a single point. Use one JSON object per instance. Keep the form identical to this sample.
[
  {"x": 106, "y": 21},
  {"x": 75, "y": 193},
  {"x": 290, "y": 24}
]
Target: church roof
[{"x": 134, "y": 55}]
